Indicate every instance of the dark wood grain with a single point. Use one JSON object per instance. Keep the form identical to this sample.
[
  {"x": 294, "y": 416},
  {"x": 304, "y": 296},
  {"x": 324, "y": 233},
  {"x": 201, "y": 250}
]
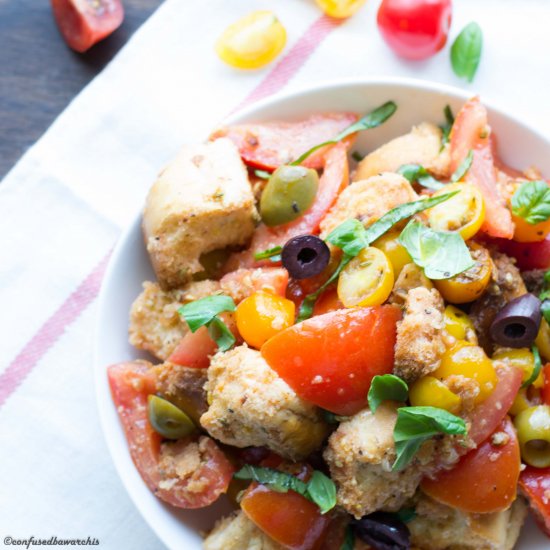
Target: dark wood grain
[{"x": 39, "y": 75}]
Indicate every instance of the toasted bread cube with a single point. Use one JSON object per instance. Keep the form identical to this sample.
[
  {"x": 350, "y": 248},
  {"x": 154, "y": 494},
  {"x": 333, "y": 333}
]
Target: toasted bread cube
[{"x": 200, "y": 202}]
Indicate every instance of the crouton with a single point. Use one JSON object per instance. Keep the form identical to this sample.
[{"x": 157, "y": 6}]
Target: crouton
[
  {"x": 184, "y": 387},
  {"x": 360, "y": 455},
  {"x": 250, "y": 405},
  {"x": 421, "y": 146},
  {"x": 411, "y": 276},
  {"x": 439, "y": 527},
  {"x": 155, "y": 324},
  {"x": 506, "y": 284},
  {"x": 237, "y": 532},
  {"x": 419, "y": 345},
  {"x": 368, "y": 199},
  {"x": 200, "y": 202}
]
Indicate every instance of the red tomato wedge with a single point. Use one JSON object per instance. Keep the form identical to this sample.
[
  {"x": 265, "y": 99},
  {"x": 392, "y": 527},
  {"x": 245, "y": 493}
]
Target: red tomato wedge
[
  {"x": 331, "y": 359},
  {"x": 83, "y": 23},
  {"x": 271, "y": 279},
  {"x": 288, "y": 518},
  {"x": 528, "y": 255},
  {"x": 471, "y": 132},
  {"x": 489, "y": 414},
  {"x": 484, "y": 480},
  {"x": 546, "y": 388},
  {"x": 131, "y": 383},
  {"x": 534, "y": 483},
  {"x": 334, "y": 179},
  {"x": 269, "y": 145}
]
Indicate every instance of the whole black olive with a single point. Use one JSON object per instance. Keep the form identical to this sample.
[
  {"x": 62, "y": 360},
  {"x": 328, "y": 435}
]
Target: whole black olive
[
  {"x": 383, "y": 531},
  {"x": 517, "y": 324},
  {"x": 305, "y": 256}
]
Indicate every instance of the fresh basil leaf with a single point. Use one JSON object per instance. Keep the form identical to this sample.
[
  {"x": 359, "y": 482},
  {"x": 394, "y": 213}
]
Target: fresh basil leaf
[
  {"x": 269, "y": 253},
  {"x": 357, "y": 156},
  {"x": 221, "y": 334},
  {"x": 322, "y": 491},
  {"x": 202, "y": 312},
  {"x": 446, "y": 128},
  {"x": 406, "y": 514},
  {"x": 349, "y": 539},
  {"x": 417, "y": 424},
  {"x": 463, "y": 167},
  {"x": 264, "y": 174},
  {"x": 466, "y": 51},
  {"x": 386, "y": 387},
  {"x": 545, "y": 309},
  {"x": 371, "y": 120},
  {"x": 417, "y": 173},
  {"x": 532, "y": 202},
  {"x": 349, "y": 236},
  {"x": 546, "y": 278},
  {"x": 442, "y": 254},
  {"x": 536, "y": 369}
]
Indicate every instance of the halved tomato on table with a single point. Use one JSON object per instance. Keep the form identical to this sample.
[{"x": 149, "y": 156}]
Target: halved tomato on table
[
  {"x": 331, "y": 359},
  {"x": 131, "y": 383},
  {"x": 484, "y": 480},
  {"x": 534, "y": 484}
]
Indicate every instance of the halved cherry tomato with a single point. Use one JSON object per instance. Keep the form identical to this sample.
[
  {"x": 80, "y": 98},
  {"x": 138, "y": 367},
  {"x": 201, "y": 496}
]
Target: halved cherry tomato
[
  {"x": 484, "y": 480},
  {"x": 325, "y": 359},
  {"x": 83, "y": 23},
  {"x": 530, "y": 233},
  {"x": 528, "y": 255},
  {"x": 288, "y": 518},
  {"x": 131, "y": 384},
  {"x": 470, "y": 132},
  {"x": 269, "y": 145},
  {"x": 328, "y": 301},
  {"x": 534, "y": 483},
  {"x": 397, "y": 254},
  {"x": 415, "y": 29}
]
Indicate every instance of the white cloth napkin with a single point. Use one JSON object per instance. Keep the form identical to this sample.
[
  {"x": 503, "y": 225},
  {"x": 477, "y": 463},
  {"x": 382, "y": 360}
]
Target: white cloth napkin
[{"x": 64, "y": 204}]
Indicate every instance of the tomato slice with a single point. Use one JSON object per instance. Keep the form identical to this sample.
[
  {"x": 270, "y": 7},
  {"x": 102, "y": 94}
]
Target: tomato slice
[
  {"x": 484, "y": 480},
  {"x": 271, "y": 279},
  {"x": 534, "y": 483},
  {"x": 471, "y": 132},
  {"x": 489, "y": 414},
  {"x": 331, "y": 359},
  {"x": 131, "y": 383},
  {"x": 288, "y": 518},
  {"x": 269, "y": 145},
  {"x": 83, "y": 23},
  {"x": 546, "y": 388},
  {"x": 528, "y": 255}
]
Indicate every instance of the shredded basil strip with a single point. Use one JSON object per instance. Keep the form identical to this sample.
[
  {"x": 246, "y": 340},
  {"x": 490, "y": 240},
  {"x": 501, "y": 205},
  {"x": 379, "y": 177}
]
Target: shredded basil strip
[
  {"x": 371, "y": 120},
  {"x": 531, "y": 201},
  {"x": 545, "y": 306},
  {"x": 466, "y": 51},
  {"x": 536, "y": 369},
  {"x": 446, "y": 128},
  {"x": 320, "y": 489},
  {"x": 463, "y": 167},
  {"x": 264, "y": 174},
  {"x": 270, "y": 253},
  {"x": 387, "y": 387},
  {"x": 418, "y": 424},
  {"x": 417, "y": 173},
  {"x": 220, "y": 333}
]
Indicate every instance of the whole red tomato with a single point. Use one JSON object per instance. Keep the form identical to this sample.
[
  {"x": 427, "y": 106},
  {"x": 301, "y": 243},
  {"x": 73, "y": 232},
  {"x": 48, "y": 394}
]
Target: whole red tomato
[{"x": 415, "y": 29}]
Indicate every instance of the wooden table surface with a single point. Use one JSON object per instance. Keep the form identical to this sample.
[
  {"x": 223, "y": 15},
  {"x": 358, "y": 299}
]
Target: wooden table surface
[{"x": 39, "y": 74}]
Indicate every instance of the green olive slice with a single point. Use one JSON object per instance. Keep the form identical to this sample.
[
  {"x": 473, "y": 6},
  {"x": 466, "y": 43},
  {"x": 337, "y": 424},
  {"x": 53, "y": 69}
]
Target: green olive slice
[
  {"x": 167, "y": 420},
  {"x": 533, "y": 427},
  {"x": 288, "y": 194}
]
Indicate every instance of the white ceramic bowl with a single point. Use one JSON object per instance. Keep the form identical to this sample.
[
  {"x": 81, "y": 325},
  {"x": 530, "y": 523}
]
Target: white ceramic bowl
[{"x": 417, "y": 101}]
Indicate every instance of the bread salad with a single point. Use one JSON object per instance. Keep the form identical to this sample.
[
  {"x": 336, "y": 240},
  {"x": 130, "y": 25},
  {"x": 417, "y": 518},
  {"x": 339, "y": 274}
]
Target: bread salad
[{"x": 354, "y": 356}]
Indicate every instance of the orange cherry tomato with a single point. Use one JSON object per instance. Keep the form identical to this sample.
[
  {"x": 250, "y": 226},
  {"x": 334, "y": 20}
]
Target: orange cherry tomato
[
  {"x": 534, "y": 483},
  {"x": 484, "y": 480},
  {"x": 263, "y": 315},
  {"x": 331, "y": 359},
  {"x": 530, "y": 233},
  {"x": 288, "y": 518}
]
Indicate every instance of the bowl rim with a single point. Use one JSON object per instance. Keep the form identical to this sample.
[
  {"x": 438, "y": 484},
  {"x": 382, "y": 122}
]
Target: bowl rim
[{"x": 235, "y": 117}]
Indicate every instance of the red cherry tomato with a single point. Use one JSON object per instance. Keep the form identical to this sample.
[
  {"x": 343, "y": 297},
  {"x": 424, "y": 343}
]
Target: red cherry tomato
[
  {"x": 268, "y": 145},
  {"x": 131, "y": 384},
  {"x": 534, "y": 483},
  {"x": 83, "y": 23},
  {"x": 484, "y": 480},
  {"x": 325, "y": 359},
  {"x": 546, "y": 388},
  {"x": 415, "y": 29},
  {"x": 288, "y": 518},
  {"x": 528, "y": 255}
]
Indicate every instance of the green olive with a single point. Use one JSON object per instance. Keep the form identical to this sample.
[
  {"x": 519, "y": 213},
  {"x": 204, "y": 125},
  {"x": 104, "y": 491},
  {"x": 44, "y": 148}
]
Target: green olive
[
  {"x": 533, "y": 426},
  {"x": 167, "y": 420},
  {"x": 289, "y": 192}
]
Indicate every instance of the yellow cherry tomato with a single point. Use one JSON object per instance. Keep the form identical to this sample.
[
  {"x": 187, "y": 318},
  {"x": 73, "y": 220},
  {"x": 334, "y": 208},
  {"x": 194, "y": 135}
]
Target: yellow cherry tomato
[
  {"x": 261, "y": 316},
  {"x": 470, "y": 284},
  {"x": 529, "y": 233},
  {"x": 394, "y": 250},
  {"x": 464, "y": 213},
  {"x": 340, "y": 8},
  {"x": 521, "y": 358},
  {"x": 521, "y": 402},
  {"x": 542, "y": 340},
  {"x": 253, "y": 41},
  {"x": 367, "y": 280},
  {"x": 430, "y": 392},
  {"x": 470, "y": 361},
  {"x": 459, "y": 325}
]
